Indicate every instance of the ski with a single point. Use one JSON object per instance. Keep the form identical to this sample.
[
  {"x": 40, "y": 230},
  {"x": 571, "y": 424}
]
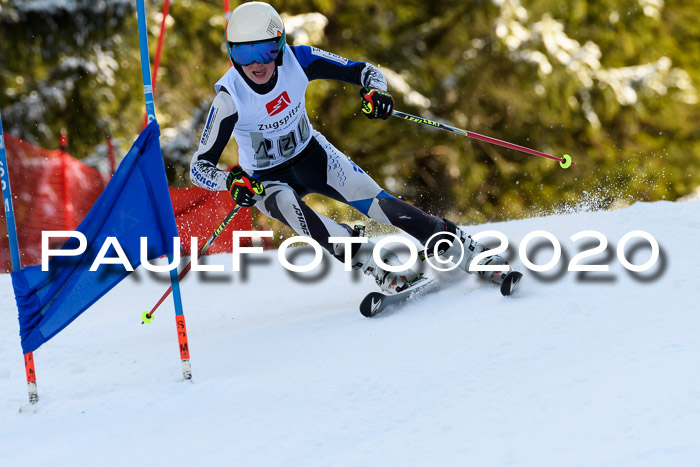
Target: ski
[
  {"x": 510, "y": 282},
  {"x": 377, "y": 302}
]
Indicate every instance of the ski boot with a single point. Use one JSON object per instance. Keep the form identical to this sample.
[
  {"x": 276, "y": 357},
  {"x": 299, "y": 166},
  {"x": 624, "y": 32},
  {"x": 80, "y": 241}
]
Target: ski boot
[
  {"x": 390, "y": 282},
  {"x": 507, "y": 279}
]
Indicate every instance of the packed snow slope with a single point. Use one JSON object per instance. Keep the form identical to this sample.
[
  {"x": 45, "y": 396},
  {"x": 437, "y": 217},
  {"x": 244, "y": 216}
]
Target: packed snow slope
[{"x": 589, "y": 369}]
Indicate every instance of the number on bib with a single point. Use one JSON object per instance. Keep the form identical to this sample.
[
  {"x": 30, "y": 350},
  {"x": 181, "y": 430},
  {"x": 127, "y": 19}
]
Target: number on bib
[{"x": 262, "y": 147}]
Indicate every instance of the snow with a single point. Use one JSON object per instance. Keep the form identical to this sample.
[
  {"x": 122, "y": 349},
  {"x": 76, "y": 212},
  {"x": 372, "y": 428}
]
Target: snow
[{"x": 601, "y": 371}]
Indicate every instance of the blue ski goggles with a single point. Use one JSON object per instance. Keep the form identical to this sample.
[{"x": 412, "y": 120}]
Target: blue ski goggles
[{"x": 261, "y": 52}]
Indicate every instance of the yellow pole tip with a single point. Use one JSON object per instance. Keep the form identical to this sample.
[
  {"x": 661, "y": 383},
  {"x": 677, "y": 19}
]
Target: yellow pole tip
[
  {"x": 566, "y": 162},
  {"x": 145, "y": 318}
]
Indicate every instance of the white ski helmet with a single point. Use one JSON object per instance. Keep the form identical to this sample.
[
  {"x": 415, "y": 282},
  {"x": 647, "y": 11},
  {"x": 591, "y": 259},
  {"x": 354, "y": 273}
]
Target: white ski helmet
[{"x": 255, "y": 32}]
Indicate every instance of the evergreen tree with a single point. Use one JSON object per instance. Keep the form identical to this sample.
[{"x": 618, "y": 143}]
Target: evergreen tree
[{"x": 611, "y": 82}]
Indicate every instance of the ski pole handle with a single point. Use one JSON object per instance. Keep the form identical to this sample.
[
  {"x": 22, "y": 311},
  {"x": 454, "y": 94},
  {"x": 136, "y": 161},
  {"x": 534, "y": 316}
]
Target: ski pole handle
[
  {"x": 564, "y": 161},
  {"x": 147, "y": 316}
]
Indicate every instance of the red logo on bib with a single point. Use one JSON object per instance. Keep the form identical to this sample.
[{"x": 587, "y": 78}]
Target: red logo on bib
[{"x": 280, "y": 103}]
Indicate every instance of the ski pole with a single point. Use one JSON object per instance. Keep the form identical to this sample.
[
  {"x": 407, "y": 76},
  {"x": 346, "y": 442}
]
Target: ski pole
[
  {"x": 147, "y": 316},
  {"x": 564, "y": 161}
]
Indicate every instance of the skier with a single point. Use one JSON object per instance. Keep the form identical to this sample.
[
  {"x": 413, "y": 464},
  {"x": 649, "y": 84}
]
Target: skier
[{"x": 261, "y": 101}]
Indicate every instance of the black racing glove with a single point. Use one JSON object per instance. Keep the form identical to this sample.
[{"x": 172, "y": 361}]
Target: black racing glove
[
  {"x": 376, "y": 103},
  {"x": 243, "y": 189}
]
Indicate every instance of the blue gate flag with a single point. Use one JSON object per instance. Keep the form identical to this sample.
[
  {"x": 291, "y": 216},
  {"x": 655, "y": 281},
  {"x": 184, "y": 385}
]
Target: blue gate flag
[{"x": 136, "y": 203}]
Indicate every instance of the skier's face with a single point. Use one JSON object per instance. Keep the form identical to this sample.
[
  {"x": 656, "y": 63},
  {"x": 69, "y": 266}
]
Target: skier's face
[{"x": 259, "y": 73}]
